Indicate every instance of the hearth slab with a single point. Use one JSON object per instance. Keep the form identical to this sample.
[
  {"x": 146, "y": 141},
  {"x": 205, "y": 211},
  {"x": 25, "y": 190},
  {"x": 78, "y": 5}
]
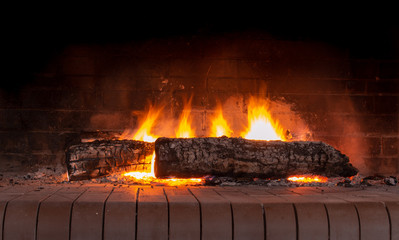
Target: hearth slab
[{"x": 96, "y": 211}]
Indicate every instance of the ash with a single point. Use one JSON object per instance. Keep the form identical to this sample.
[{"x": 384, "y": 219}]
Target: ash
[{"x": 58, "y": 175}]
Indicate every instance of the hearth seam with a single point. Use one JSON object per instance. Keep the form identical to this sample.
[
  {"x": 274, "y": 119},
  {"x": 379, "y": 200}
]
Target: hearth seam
[
  {"x": 71, "y": 211},
  {"x": 296, "y": 222},
  {"x": 358, "y": 220},
  {"x": 103, "y": 222},
  {"x": 167, "y": 201},
  {"x": 328, "y": 220},
  {"x": 38, "y": 209},
  {"x": 200, "y": 209},
  {"x": 390, "y": 221},
  {"x": 137, "y": 209}
]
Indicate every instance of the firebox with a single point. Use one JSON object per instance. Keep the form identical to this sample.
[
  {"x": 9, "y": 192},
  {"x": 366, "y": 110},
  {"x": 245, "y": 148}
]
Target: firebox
[{"x": 208, "y": 133}]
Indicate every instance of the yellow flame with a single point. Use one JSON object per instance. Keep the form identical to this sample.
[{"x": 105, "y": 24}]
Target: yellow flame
[
  {"x": 144, "y": 132},
  {"x": 220, "y": 127},
  {"x": 261, "y": 125},
  {"x": 307, "y": 179},
  {"x": 184, "y": 130}
]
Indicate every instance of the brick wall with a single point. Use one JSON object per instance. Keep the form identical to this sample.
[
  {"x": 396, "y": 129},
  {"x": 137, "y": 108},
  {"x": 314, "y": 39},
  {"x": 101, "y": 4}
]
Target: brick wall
[{"x": 347, "y": 100}]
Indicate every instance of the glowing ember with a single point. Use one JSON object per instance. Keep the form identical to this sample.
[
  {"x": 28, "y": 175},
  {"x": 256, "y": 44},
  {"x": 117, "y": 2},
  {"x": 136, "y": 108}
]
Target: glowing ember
[
  {"x": 261, "y": 124},
  {"x": 184, "y": 130},
  {"x": 219, "y": 125},
  {"x": 307, "y": 179}
]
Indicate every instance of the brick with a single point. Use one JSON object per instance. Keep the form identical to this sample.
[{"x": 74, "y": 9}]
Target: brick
[
  {"x": 390, "y": 146},
  {"x": 77, "y": 82},
  {"x": 74, "y": 99},
  {"x": 14, "y": 142},
  {"x": 355, "y": 86},
  {"x": 14, "y": 162},
  {"x": 317, "y": 69},
  {"x": 82, "y": 65},
  {"x": 389, "y": 69},
  {"x": 258, "y": 69},
  {"x": 9, "y": 99},
  {"x": 377, "y": 124},
  {"x": 382, "y": 165},
  {"x": 383, "y": 86},
  {"x": 224, "y": 68},
  {"x": 386, "y": 104},
  {"x": 304, "y": 50},
  {"x": 50, "y": 142},
  {"x": 37, "y": 98},
  {"x": 72, "y": 120},
  {"x": 10, "y": 119},
  {"x": 111, "y": 121},
  {"x": 38, "y": 120},
  {"x": 363, "y": 146},
  {"x": 42, "y": 159},
  {"x": 127, "y": 100},
  {"x": 191, "y": 83},
  {"x": 191, "y": 67},
  {"x": 362, "y": 104},
  {"x": 361, "y": 69}
]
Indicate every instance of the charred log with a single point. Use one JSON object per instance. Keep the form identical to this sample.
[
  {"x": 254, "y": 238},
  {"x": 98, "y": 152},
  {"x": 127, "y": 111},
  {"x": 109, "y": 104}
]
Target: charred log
[
  {"x": 99, "y": 158},
  {"x": 237, "y": 157}
]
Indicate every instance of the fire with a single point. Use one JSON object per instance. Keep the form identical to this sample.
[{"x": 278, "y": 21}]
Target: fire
[
  {"x": 143, "y": 133},
  {"x": 307, "y": 179},
  {"x": 261, "y": 125},
  {"x": 220, "y": 127},
  {"x": 184, "y": 130}
]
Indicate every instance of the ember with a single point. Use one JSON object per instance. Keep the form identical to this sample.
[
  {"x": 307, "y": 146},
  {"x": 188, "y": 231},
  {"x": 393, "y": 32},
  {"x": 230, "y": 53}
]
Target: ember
[{"x": 307, "y": 179}]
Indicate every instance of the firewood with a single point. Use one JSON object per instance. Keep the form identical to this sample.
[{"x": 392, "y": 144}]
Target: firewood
[
  {"x": 100, "y": 158},
  {"x": 238, "y": 157}
]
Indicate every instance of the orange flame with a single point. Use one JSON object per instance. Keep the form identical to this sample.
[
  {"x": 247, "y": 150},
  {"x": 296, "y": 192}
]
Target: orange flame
[
  {"x": 261, "y": 124},
  {"x": 307, "y": 179},
  {"x": 220, "y": 127},
  {"x": 184, "y": 130},
  {"x": 143, "y": 133}
]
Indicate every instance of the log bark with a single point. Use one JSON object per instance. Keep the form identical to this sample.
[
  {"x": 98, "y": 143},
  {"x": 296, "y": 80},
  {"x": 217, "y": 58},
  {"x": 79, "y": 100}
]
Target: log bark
[
  {"x": 100, "y": 158},
  {"x": 238, "y": 157}
]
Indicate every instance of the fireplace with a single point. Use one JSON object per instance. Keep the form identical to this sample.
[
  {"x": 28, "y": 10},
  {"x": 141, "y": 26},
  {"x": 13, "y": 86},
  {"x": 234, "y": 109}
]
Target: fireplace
[{"x": 319, "y": 88}]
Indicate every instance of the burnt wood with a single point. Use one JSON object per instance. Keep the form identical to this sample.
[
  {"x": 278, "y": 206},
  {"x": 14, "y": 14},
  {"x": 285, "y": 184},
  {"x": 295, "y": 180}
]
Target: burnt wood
[
  {"x": 100, "y": 158},
  {"x": 238, "y": 157}
]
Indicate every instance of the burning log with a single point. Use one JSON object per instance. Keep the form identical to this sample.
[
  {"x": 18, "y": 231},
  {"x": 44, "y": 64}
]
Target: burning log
[
  {"x": 99, "y": 158},
  {"x": 238, "y": 157}
]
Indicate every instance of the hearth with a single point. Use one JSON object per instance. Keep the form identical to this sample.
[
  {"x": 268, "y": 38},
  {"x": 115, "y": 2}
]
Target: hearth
[{"x": 207, "y": 134}]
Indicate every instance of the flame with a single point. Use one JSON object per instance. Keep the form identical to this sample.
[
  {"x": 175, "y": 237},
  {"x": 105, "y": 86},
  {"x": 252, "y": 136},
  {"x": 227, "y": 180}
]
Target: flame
[
  {"x": 307, "y": 179},
  {"x": 184, "y": 130},
  {"x": 149, "y": 177},
  {"x": 220, "y": 127},
  {"x": 143, "y": 133},
  {"x": 261, "y": 124}
]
